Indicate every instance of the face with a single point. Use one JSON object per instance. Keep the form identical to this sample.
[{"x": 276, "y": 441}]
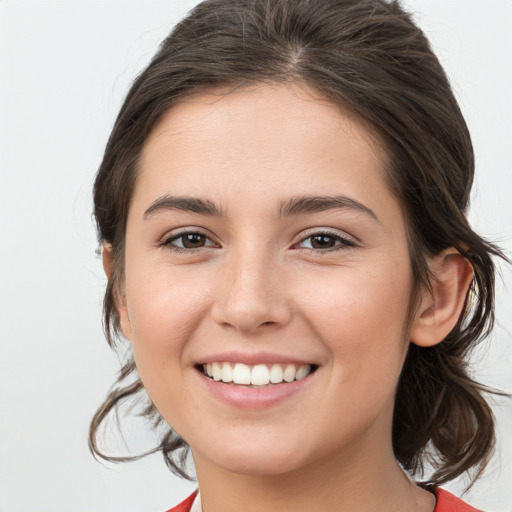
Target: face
[{"x": 264, "y": 248}]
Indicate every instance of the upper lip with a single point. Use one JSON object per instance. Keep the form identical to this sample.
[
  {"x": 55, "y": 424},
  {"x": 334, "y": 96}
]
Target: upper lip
[{"x": 252, "y": 358}]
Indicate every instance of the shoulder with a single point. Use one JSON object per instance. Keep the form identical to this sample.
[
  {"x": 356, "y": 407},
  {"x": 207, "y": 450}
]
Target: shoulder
[
  {"x": 185, "y": 505},
  {"x": 447, "y": 502}
]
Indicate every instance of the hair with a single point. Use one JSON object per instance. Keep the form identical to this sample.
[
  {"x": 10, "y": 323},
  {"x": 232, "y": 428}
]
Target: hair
[{"x": 369, "y": 57}]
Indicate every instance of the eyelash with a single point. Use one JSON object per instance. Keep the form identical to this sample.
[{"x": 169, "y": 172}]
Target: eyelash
[
  {"x": 168, "y": 241},
  {"x": 344, "y": 242}
]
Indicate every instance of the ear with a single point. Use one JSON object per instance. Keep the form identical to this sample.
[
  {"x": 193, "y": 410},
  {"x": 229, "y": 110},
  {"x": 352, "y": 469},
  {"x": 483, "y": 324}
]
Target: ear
[
  {"x": 119, "y": 296},
  {"x": 108, "y": 260},
  {"x": 440, "y": 310}
]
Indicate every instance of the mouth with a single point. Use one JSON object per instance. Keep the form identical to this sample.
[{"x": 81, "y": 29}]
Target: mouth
[{"x": 257, "y": 375}]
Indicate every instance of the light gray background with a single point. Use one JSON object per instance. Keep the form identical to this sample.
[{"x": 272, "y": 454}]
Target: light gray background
[{"x": 64, "y": 69}]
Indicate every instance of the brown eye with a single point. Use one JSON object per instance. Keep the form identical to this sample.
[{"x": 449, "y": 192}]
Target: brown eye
[
  {"x": 325, "y": 242},
  {"x": 322, "y": 242},
  {"x": 192, "y": 240}
]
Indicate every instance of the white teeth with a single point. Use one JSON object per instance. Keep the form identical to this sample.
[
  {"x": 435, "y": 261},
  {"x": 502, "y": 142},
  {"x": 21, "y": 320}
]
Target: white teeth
[
  {"x": 241, "y": 374},
  {"x": 302, "y": 371},
  {"x": 289, "y": 373},
  {"x": 216, "y": 371},
  {"x": 260, "y": 376},
  {"x": 257, "y": 375},
  {"x": 227, "y": 373},
  {"x": 276, "y": 374}
]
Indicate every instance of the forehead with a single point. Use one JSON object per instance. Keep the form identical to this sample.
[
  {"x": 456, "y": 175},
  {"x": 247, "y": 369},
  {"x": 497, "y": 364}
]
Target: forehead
[
  {"x": 274, "y": 122},
  {"x": 270, "y": 140}
]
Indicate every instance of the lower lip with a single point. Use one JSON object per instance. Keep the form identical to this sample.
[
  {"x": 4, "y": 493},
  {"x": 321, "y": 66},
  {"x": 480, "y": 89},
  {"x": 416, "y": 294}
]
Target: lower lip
[{"x": 245, "y": 397}]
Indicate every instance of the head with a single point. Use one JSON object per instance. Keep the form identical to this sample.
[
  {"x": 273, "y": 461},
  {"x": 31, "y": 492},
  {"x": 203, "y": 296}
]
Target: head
[{"x": 367, "y": 62}]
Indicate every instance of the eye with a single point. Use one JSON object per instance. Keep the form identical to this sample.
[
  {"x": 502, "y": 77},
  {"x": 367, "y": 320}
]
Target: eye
[
  {"x": 325, "y": 241},
  {"x": 188, "y": 241}
]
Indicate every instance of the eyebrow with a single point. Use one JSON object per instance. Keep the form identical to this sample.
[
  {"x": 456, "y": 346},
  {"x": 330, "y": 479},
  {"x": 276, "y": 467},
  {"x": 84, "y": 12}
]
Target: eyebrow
[
  {"x": 186, "y": 204},
  {"x": 314, "y": 204},
  {"x": 300, "y": 205}
]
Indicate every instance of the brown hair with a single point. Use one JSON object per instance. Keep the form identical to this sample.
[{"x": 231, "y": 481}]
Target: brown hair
[{"x": 370, "y": 57}]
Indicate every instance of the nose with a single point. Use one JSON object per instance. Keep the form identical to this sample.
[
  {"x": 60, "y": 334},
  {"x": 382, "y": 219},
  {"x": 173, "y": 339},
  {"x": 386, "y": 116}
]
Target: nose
[{"x": 251, "y": 293}]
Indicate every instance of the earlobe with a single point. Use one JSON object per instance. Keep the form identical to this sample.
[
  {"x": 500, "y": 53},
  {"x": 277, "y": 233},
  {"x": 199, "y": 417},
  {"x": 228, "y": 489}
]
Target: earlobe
[
  {"x": 124, "y": 322},
  {"x": 439, "y": 311},
  {"x": 108, "y": 260},
  {"x": 119, "y": 298}
]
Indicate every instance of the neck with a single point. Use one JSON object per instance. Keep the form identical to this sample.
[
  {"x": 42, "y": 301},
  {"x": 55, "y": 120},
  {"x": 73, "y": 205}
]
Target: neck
[{"x": 371, "y": 483}]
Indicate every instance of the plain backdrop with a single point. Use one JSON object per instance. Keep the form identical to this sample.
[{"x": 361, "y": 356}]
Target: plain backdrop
[{"x": 64, "y": 69}]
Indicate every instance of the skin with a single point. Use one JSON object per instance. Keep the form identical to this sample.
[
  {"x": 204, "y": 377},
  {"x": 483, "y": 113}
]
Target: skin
[{"x": 257, "y": 281}]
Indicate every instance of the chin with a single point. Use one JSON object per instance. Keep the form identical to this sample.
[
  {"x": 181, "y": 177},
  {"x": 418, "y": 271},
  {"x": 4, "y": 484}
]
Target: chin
[{"x": 256, "y": 460}]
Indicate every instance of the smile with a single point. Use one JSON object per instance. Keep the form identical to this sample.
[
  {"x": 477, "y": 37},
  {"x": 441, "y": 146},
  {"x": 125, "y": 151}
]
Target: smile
[{"x": 256, "y": 375}]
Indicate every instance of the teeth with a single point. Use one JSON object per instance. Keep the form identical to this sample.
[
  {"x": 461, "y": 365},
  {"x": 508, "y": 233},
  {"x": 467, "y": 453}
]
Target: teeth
[
  {"x": 257, "y": 375},
  {"x": 227, "y": 373},
  {"x": 276, "y": 374},
  {"x": 260, "y": 375},
  {"x": 289, "y": 373},
  {"x": 216, "y": 371},
  {"x": 302, "y": 372},
  {"x": 241, "y": 374}
]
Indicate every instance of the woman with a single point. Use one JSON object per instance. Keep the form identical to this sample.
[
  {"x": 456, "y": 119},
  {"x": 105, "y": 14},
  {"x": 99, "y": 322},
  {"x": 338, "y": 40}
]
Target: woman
[{"x": 281, "y": 207}]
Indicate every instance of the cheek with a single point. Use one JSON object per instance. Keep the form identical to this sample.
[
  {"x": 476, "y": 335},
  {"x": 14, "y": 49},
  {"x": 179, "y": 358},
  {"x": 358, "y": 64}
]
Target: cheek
[
  {"x": 359, "y": 318},
  {"x": 164, "y": 310},
  {"x": 359, "y": 314}
]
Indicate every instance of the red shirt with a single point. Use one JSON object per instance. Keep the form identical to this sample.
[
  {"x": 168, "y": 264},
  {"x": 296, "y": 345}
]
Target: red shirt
[
  {"x": 446, "y": 502},
  {"x": 186, "y": 505}
]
